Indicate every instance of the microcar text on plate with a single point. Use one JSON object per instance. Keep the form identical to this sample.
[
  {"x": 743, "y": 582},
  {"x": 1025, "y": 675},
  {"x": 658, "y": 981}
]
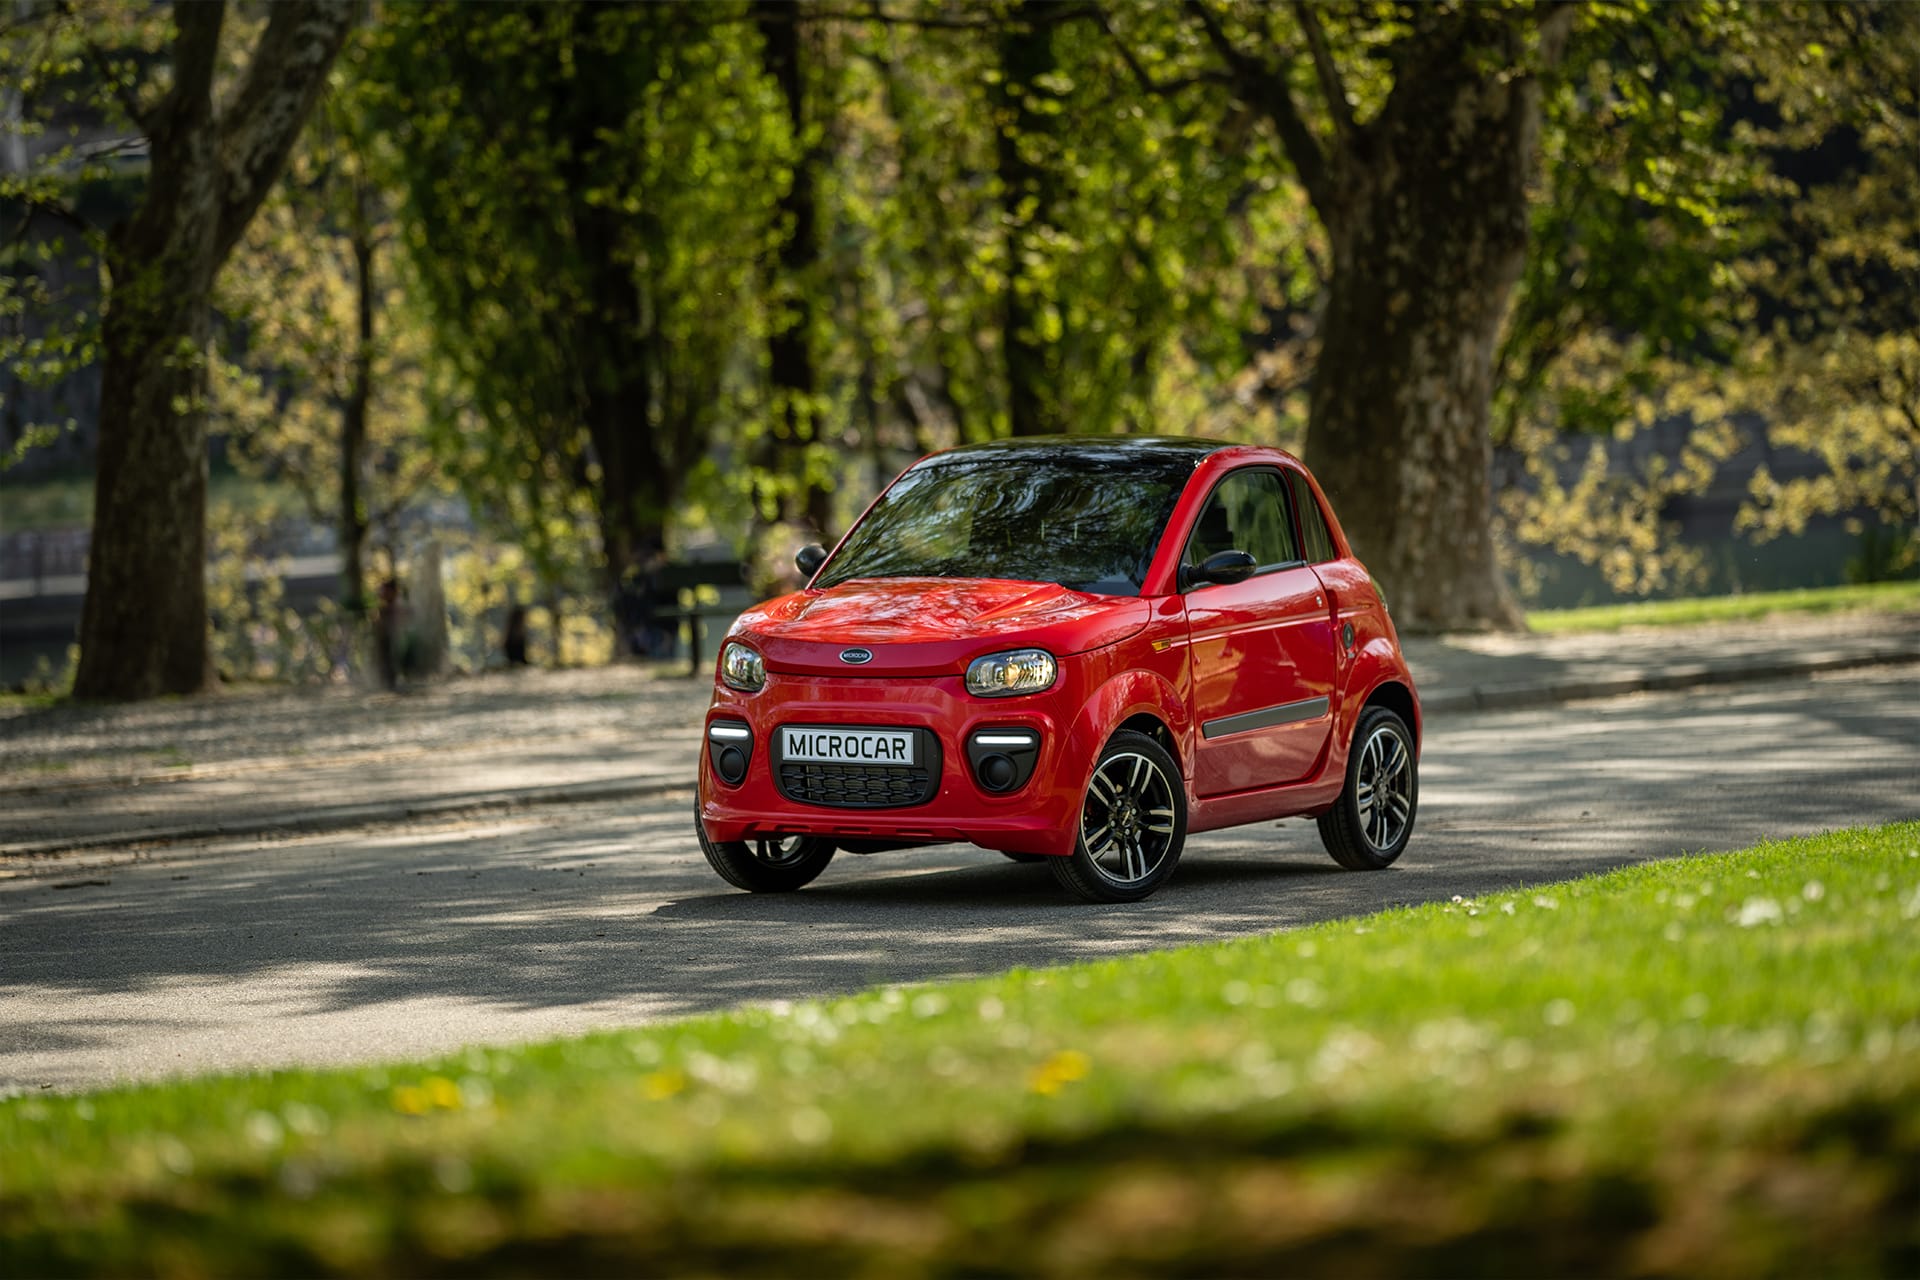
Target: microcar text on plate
[{"x": 1072, "y": 650}]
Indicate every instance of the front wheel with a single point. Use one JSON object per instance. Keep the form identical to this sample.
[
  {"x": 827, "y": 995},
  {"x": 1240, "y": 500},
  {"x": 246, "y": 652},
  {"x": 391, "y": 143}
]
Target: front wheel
[
  {"x": 1369, "y": 824},
  {"x": 765, "y": 866},
  {"x": 1133, "y": 823}
]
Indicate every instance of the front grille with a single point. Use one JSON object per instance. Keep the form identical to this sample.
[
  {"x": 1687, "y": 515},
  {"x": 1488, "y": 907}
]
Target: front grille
[
  {"x": 861, "y": 786},
  {"x": 854, "y": 786}
]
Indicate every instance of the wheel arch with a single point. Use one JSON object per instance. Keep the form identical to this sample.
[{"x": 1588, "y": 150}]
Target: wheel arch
[
  {"x": 1397, "y": 698},
  {"x": 1133, "y": 699},
  {"x": 1153, "y": 726}
]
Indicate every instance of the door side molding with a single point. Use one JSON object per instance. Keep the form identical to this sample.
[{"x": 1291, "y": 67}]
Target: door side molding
[{"x": 1265, "y": 717}]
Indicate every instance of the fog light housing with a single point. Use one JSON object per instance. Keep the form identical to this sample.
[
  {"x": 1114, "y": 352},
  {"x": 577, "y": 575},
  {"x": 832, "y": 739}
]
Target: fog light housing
[
  {"x": 1002, "y": 759},
  {"x": 729, "y": 750}
]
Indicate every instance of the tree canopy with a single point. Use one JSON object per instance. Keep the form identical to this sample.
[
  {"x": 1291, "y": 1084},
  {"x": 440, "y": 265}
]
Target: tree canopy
[{"x": 619, "y": 272}]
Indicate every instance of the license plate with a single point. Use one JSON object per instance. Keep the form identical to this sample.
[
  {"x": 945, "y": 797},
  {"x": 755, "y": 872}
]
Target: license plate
[{"x": 816, "y": 745}]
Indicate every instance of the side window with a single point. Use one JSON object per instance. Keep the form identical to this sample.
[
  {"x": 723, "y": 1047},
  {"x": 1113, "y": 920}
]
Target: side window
[
  {"x": 1313, "y": 525},
  {"x": 1247, "y": 512}
]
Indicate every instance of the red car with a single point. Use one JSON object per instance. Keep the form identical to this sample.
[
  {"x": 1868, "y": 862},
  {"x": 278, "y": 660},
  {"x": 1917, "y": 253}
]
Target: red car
[{"x": 1076, "y": 650}]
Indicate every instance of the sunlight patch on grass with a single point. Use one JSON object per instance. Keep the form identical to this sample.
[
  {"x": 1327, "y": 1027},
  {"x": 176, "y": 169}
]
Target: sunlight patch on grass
[{"x": 1887, "y": 597}]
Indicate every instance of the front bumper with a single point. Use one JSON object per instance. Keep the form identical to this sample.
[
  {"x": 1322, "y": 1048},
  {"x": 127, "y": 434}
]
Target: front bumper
[{"x": 1038, "y": 816}]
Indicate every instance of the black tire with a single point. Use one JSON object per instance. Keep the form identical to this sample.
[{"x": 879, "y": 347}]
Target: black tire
[
  {"x": 766, "y": 866},
  {"x": 1011, "y": 856},
  {"x": 1372, "y": 820},
  {"x": 1132, "y": 825}
]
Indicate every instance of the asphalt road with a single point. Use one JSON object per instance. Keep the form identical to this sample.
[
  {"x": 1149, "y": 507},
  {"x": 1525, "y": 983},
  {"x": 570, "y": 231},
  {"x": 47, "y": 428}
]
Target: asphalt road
[{"x": 398, "y": 942}]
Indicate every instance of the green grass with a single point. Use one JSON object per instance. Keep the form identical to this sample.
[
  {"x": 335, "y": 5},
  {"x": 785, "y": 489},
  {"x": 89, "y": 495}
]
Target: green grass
[
  {"x": 1883, "y": 596},
  {"x": 67, "y": 502},
  {"x": 38, "y": 700},
  {"x": 1706, "y": 1065}
]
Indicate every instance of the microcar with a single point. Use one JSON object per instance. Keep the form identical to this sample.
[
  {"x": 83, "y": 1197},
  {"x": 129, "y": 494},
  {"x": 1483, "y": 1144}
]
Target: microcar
[{"x": 1076, "y": 650}]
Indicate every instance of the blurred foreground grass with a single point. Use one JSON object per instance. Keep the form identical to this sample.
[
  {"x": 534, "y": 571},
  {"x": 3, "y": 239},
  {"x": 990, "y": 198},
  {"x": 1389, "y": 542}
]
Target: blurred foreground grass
[
  {"x": 1709, "y": 1065},
  {"x": 1884, "y": 596}
]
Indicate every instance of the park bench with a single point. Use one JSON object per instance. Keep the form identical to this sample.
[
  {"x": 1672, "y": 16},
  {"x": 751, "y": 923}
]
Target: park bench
[{"x": 692, "y": 592}]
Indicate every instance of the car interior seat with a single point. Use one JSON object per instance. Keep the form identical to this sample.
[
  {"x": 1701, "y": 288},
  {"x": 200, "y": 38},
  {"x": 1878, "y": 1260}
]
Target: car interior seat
[{"x": 1215, "y": 533}]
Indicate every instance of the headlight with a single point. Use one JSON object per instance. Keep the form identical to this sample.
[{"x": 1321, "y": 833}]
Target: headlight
[
  {"x": 741, "y": 668},
  {"x": 1000, "y": 675}
]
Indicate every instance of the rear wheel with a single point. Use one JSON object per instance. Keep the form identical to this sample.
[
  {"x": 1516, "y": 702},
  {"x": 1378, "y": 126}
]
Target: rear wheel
[
  {"x": 766, "y": 866},
  {"x": 1133, "y": 823},
  {"x": 1370, "y": 823}
]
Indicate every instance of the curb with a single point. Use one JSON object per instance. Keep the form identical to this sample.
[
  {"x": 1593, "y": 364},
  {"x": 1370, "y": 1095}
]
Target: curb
[
  {"x": 1491, "y": 697},
  {"x": 346, "y": 817},
  {"x": 1692, "y": 675}
]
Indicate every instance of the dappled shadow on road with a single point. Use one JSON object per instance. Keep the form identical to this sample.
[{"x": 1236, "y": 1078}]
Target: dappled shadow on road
[
  {"x": 280, "y": 953},
  {"x": 271, "y": 727},
  {"x": 1660, "y": 774},
  {"x": 251, "y": 758},
  {"x": 405, "y": 941},
  {"x": 531, "y": 929},
  {"x": 1491, "y": 662}
]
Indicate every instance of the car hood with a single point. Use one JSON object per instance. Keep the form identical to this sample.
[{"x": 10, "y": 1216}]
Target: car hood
[{"x": 931, "y": 626}]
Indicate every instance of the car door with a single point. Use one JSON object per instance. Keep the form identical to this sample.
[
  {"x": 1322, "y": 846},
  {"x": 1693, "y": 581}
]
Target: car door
[{"x": 1261, "y": 650}]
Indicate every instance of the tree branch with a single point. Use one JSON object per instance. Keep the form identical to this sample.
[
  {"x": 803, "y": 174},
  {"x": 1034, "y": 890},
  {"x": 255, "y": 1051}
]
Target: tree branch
[
  {"x": 1141, "y": 76},
  {"x": 196, "y": 52},
  {"x": 1555, "y": 30},
  {"x": 56, "y": 209},
  {"x": 877, "y": 14},
  {"x": 1330, "y": 84},
  {"x": 1266, "y": 88},
  {"x": 1052, "y": 15},
  {"x": 122, "y": 91},
  {"x": 287, "y": 73}
]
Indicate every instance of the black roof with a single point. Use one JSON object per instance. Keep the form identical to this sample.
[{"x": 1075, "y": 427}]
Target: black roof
[{"x": 1089, "y": 448}]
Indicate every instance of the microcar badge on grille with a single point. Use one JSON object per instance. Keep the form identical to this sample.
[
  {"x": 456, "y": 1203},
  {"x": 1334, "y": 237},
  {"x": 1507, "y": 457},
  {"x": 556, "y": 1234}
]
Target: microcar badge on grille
[{"x": 856, "y": 656}]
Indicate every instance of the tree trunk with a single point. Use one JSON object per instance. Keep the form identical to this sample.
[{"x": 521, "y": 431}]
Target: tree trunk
[
  {"x": 1427, "y": 213},
  {"x": 143, "y": 628},
  {"x": 1028, "y": 209},
  {"x": 790, "y": 282},
  {"x": 635, "y": 488},
  {"x": 353, "y": 437},
  {"x": 615, "y": 360},
  {"x": 635, "y": 485}
]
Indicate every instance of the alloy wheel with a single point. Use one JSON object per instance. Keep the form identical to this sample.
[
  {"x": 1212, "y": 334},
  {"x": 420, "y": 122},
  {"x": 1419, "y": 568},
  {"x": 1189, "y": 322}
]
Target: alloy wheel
[
  {"x": 1127, "y": 821},
  {"x": 1383, "y": 788},
  {"x": 781, "y": 853}
]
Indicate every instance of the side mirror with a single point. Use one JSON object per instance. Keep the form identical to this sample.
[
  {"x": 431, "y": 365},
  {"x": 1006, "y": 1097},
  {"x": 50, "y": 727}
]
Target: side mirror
[
  {"x": 809, "y": 560},
  {"x": 1220, "y": 567}
]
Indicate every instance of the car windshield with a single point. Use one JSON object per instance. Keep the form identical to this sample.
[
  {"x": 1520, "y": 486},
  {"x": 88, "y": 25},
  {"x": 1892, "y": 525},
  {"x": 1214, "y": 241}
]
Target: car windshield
[{"x": 1085, "y": 519}]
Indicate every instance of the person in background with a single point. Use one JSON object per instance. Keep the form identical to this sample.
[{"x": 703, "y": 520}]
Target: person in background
[
  {"x": 389, "y": 633},
  {"x": 637, "y": 603},
  {"x": 515, "y": 640}
]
